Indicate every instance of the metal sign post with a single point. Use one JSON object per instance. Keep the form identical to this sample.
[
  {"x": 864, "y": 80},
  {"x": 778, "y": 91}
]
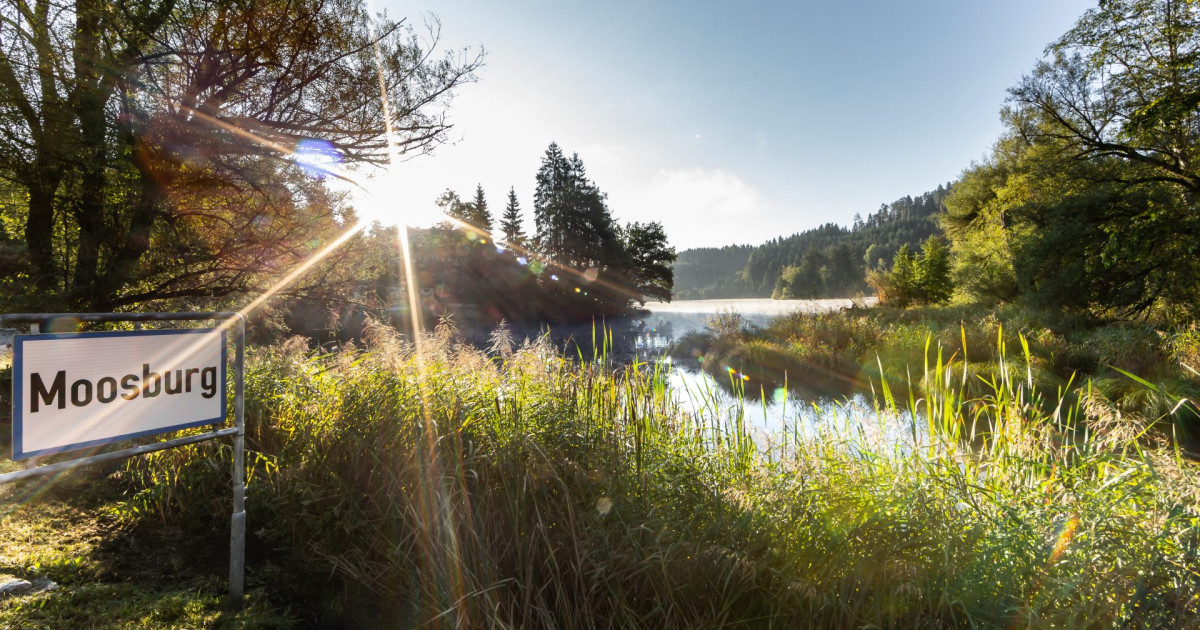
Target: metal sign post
[{"x": 59, "y": 389}]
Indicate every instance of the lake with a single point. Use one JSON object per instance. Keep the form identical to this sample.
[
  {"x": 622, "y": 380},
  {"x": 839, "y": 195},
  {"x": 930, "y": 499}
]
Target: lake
[
  {"x": 669, "y": 320},
  {"x": 767, "y": 412}
]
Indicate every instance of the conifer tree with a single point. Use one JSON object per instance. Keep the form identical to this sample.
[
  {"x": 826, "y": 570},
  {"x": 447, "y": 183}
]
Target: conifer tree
[
  {"x": 574, "y": 226},
  {"x": 510, "y": 222},
  {"x": 933, "y": 271},
  {"x": 480, "y": 217}
]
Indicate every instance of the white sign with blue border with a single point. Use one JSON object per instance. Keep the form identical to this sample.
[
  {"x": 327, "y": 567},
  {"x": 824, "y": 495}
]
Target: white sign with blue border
[{"x": 80, "y": 390}]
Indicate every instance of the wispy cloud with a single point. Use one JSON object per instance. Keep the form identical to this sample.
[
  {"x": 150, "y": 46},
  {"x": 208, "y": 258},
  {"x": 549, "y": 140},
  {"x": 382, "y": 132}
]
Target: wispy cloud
[
  {"x": 601, "y": 154},
  {"x": 701, "y": 206},
  {"x": 708, "y": 192}
]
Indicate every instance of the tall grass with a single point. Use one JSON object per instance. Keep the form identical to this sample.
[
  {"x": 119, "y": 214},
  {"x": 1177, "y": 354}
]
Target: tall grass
[
  {"x": 451, "y": 488},
  {"x": 836, "y": 353}
]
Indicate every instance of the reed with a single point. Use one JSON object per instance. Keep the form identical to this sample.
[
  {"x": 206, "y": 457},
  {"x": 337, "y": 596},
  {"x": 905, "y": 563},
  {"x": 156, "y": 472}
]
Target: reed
[{"x": 448, "y": 487}]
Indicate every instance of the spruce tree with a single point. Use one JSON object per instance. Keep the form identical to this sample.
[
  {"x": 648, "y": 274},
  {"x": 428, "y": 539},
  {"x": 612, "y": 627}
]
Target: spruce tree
[
  {"x": 574, "y": 226},
  {"x": 933, "y": 271},
  {"x": 510, "y": 223},
  {"x": 549, "y": 203},
  {"x": 480, "y": 217}
]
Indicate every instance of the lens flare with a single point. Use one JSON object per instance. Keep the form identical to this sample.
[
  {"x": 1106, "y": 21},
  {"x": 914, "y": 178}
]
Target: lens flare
[{"x": 317, "y": 157}]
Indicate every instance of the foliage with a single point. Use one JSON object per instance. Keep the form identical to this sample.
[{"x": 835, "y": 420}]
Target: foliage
[
  {"x": 827, "y": 261},
  {"x": 924, "y": 278},
  {"x": 979, "y": 228},
  {"x": 1088, "y": 203},
  {"x": 649, "y": 272},
  {"x": 1124, "y": 83},
  {"x": 932, "y": 273},
  {"x": 456, "y": 489},
  {"x": 158, "y": 150}
]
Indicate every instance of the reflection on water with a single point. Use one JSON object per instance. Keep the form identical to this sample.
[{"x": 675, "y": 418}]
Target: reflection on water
[
  {"x": 767, "y": 413},
  {"x": 669, "y": 321}
]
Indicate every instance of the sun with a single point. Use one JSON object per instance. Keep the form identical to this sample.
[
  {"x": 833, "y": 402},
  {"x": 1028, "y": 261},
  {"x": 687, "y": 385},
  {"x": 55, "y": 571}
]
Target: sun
[{"x": 383, "y": 197}]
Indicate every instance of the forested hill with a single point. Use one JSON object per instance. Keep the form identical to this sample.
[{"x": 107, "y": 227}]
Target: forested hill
[
  {"x": 711, "y": 272},
  {"x": 827, "y": 261}
]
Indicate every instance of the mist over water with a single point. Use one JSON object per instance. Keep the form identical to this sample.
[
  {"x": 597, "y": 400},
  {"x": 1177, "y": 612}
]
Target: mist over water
[{"x": 683, "y": 316}]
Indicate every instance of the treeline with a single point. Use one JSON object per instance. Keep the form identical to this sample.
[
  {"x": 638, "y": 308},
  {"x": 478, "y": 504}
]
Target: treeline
[
  {"x": 711, "y": 272},
  {"x": 579, "y": 263},
  {"x": 827, "y": 261}
]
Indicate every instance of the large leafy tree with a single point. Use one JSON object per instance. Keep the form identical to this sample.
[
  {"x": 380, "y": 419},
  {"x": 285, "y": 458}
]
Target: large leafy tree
[
  {"x": 651, "y": 258},
  {"x": 980, "y": 225},
  {"x": 1124, "y": 83},
  {"x": 1089, "y": 202},
  {"x": 149, "y": 137}
]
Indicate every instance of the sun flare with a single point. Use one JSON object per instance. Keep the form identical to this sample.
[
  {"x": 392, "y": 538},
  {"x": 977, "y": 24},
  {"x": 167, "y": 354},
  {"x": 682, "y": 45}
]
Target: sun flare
[{"x": 383, "y": 198}]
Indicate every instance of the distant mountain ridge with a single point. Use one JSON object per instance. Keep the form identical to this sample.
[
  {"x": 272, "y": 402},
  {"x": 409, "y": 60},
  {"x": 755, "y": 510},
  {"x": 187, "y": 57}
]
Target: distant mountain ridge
[{"x": 826, "y": 261}]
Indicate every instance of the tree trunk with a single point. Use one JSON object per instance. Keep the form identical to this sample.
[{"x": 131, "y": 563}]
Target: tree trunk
[
  {"x": 39, "y": 232},
  {"x": 88, "y": 287}
]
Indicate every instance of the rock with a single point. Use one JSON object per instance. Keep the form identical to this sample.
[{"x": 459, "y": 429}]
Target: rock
[
  {"x": 14, "y": 586},
  {"x": 44, "y": 584}
]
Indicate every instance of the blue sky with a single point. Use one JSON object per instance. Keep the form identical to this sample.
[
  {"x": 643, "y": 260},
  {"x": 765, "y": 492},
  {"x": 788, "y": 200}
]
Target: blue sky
[{"x": 728, "y": 122}]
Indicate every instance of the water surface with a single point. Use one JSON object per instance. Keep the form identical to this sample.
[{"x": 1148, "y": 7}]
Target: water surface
[{"x": 767, "y": 412}]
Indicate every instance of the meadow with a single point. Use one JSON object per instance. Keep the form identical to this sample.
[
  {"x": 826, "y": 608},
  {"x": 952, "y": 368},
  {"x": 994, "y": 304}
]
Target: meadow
[{"x": 437, "y": 485}]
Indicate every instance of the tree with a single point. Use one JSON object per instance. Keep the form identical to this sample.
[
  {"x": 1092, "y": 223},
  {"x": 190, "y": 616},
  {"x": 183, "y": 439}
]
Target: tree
[
  {"x": 510, "y": 223},
  {"x": 480, "y": 217},
  {"x": 809, "y": 282},
  {"x": 841, "y": 275},
  {"x": 932, "y": 272},
  {"x": 583, "y": 263},
  {"x": 574, "y": 225},
  {"x": 650, "y": 273},
  {"x": 1123, "y": 83},
  {"x": 152, "y": 137},
  {"x": 550, "y": 201},
  {"x": 979, "y": 223},
  {"x": 453, "y": 206},
  {"x": 897, "y": 287},
  {"x": 1103, "y": 193},
  {"x": 1038, "y": 223}
]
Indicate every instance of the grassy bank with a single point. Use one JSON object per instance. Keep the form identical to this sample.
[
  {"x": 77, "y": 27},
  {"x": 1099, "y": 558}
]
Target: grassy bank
[
  {"x": 854, "y": 350},
  {"x": 110, "y": 570},
  {"x": 444, "y": 487}
]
